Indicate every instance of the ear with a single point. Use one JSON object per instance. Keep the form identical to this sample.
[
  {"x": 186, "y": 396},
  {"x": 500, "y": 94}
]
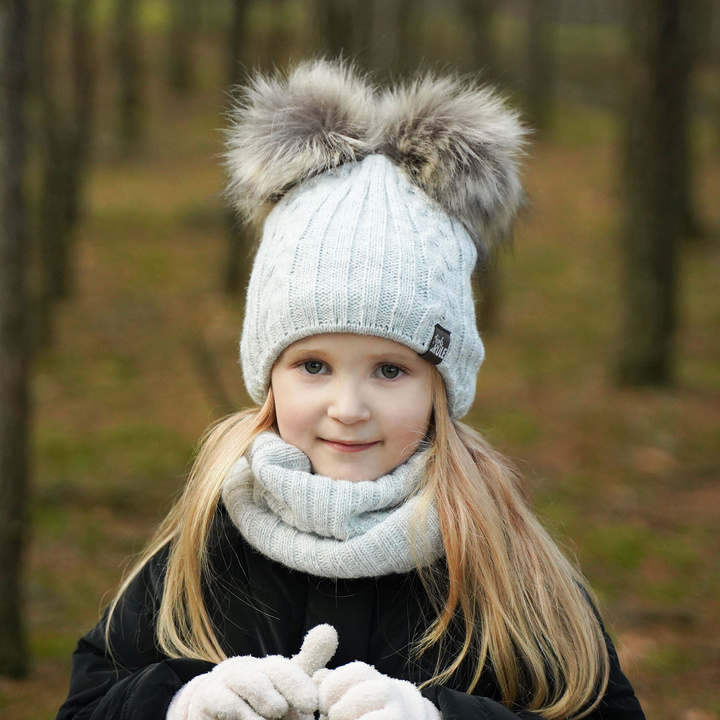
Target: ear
[
  {"x": 461, "y": 144},
  {"x": 284, "y": 130}
]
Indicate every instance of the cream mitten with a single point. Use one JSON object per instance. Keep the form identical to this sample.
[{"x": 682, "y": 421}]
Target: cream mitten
[
  {"x": 249, "y": 688},
  {"x": 357, "y": 691}
]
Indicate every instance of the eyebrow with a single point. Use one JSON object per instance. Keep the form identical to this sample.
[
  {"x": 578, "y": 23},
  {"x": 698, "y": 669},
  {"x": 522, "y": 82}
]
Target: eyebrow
[
  {"x": 293, "y": 354},
  {"x": 391, "y": 357}
]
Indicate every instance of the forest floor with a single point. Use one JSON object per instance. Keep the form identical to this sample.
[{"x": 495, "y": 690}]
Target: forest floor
[{"x": 145, "y": 357}]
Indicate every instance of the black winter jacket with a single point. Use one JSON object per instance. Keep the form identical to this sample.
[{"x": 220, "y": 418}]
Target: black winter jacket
[{"x": 260, "y": 607}]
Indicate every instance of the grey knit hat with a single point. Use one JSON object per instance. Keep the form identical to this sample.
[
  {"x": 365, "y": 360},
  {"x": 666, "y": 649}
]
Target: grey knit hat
[{"x": 380, "y": 203}]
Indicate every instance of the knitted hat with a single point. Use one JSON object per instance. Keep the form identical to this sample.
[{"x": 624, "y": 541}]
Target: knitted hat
[{"x": 380, "y": 205}]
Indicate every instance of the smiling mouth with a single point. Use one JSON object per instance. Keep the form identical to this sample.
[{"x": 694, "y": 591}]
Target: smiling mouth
[{"x": 348, "y": 447}]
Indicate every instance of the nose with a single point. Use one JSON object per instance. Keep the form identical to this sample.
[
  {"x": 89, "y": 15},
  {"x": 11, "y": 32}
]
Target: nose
[{"x": 347, "y": 404}]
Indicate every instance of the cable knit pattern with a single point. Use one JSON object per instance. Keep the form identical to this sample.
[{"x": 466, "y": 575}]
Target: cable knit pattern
[{"x": 326, "y": 527}]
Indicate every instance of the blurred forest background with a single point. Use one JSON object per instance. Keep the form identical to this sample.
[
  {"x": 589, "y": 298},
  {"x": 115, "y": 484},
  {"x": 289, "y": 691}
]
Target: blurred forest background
[{"x": 122, "y": 276}]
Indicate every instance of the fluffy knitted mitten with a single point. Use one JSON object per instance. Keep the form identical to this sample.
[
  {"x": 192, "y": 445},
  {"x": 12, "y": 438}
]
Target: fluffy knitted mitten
[
  {"x": 249, "y": 688},
  {"x": 357, "y": 691}
]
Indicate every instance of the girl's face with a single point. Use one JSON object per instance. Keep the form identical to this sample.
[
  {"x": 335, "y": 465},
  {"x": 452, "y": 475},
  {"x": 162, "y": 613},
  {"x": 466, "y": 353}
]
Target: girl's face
[{"x": 358, "y": 406}]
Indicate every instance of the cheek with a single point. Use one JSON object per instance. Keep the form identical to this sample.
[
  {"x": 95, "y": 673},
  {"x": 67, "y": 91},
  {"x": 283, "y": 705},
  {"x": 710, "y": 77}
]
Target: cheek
[
  {"x": 291, "y": 418},
  {"x": 409, "y": 421},
  {"x": 290, "y": 410}
]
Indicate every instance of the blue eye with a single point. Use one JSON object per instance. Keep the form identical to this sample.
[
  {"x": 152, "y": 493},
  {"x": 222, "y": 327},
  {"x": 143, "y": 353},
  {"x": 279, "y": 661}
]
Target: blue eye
[
  {"x": 390, "y": 372},
  {"x": 314, "y": 367}
]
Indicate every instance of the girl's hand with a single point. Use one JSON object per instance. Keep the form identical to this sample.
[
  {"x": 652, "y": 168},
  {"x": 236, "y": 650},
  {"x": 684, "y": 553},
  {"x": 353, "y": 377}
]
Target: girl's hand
[
  {"x": 357, "y": 691},
  {"x": 249, "y": 688}
]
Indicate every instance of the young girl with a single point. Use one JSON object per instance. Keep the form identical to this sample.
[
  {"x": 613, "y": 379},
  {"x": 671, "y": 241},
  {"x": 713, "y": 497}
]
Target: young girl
[{"x": 352, "y": 508}]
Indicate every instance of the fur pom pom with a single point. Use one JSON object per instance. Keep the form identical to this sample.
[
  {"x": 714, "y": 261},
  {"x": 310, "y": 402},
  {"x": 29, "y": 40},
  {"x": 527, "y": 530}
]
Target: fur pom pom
[
  {"x": 285, "y": 130},
  {"x": 460, "y": 143}
]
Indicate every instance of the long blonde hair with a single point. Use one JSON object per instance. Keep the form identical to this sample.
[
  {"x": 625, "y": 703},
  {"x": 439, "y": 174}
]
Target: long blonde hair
[{"x": 523, "y": 607}]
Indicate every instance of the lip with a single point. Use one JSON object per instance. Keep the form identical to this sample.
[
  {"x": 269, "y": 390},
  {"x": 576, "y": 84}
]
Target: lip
[{"x": 348, "y": 447}]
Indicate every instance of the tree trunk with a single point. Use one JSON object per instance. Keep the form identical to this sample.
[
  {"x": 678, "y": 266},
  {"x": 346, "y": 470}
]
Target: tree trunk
[
  {"x": 79, "y": 140},
  {"x": 53, "y": 197},
  {"x": 67, "y": 130},
  {"x": 691, "y": 17},
  {"x": 652, "y": 211},
  {"x": 235, "y": 270},
  {"x": 128, "y": 60},
  {"x": 184, "y": 24},
  {"x": 487, "y": 288},
  {"x": 238, "y": 261},
  {"x": 237, "y": 41},
  {"x": 14, "y": 345},
  {"x": 713, "y": 42},
  {"x": 338, "y": 29},
  {"x": 478, "y": 16},
  {"x": 388, "y": 43},
  {"x": 539, "y": 74}
]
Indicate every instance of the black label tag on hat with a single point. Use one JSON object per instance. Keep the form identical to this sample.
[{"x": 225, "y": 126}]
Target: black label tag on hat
[{"x": 439, "y": 346}]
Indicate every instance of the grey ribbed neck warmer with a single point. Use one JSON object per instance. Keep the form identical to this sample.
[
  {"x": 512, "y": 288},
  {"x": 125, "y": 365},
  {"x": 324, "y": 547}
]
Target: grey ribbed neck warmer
[{"x": 331, "y": 528}]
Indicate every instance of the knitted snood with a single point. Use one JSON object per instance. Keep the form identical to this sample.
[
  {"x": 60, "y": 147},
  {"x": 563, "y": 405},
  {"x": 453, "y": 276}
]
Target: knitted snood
[{"x": 331, "y": 528}]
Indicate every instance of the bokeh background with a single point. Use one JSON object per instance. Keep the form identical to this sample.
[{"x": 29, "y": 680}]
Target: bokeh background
[{"x": 135, "y": 276}]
